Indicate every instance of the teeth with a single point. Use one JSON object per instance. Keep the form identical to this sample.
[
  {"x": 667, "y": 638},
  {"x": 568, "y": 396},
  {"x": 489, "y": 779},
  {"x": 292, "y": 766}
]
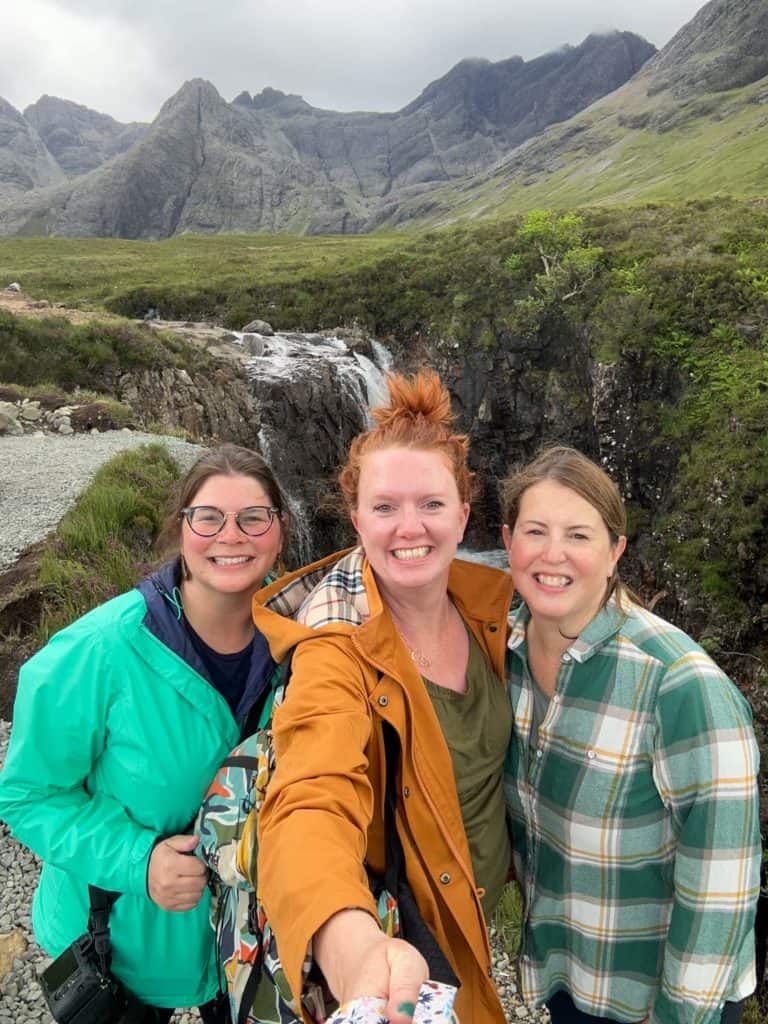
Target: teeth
[
  {"x": 233, "y": 560},
  {"x": 406, "y": 554},
  {"x": 553, "y": 581}
]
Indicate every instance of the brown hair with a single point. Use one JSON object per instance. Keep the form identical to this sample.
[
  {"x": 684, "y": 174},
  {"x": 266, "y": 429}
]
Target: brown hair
[
  {"x": 225, "y": 460},
  {"x": 417, "y": 416},
  {"x": 572, "y": 469}
]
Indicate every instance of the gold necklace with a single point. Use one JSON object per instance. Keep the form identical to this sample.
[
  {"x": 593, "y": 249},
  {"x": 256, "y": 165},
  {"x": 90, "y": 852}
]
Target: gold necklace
[{"x": 419, "y": 659}]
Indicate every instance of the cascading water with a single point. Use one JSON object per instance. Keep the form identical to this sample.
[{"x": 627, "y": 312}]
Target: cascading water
[
  {"x": 314, "y": 393},
  {"x": 374, "y": 380}
]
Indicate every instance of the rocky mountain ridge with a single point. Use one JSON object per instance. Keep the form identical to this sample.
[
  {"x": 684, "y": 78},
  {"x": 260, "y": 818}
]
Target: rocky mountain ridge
[
  {"x": 25, "y": 163},
  {"x": 606, "y": 121},
  {"x": 690, "y": 123},
  {"x": 274, "y": 163}
]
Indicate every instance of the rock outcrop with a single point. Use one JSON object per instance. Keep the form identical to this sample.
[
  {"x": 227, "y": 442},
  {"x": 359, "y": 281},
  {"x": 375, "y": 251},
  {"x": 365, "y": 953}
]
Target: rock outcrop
[
  {"x": 78, "y": 138},
  {"x": 25, "y": 163},
  {"x": 725, "y": 46}
]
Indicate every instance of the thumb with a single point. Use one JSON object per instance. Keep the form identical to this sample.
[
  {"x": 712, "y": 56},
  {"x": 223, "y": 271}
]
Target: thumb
[
  {"x": 181, "y": 844},
  {"x": 407, "y": 970}
]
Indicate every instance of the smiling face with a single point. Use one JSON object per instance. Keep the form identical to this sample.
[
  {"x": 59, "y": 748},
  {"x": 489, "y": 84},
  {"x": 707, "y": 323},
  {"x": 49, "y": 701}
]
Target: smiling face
[
  {"x": 409, "y": 517},
  {"x": 231, "y": 562},
  {"x": 561, "y": 555}
]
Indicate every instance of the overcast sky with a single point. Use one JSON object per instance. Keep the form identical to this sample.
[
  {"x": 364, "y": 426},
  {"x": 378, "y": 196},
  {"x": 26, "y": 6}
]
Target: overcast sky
[{"x": 126, "y": 57}]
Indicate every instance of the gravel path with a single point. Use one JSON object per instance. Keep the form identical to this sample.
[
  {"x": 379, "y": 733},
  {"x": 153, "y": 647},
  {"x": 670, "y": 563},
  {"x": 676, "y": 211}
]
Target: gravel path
[
  {"x": 40, "y": 477},
  {"x": 42, "y": 474}
]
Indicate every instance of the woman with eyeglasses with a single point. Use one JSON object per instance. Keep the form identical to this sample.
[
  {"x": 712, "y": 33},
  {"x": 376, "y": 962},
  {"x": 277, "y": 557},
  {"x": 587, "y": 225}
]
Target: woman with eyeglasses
[{"x": 123, "y": 718}]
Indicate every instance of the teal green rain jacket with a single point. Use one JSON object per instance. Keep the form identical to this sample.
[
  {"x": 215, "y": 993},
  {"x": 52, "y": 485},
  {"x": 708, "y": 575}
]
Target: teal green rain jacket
[{"x": 115, "y": 740}]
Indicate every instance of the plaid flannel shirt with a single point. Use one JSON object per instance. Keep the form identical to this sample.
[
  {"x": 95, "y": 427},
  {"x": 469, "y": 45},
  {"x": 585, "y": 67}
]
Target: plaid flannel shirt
[{"x": 635, "y": 824}]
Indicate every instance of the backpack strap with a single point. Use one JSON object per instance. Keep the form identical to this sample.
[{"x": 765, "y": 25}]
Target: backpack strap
[
  {"x": 260, "y": 713},
  {"x": 101, "y": 902},
  {"x": 260, "y": 718},
  {"x": 254, "y": 978}
]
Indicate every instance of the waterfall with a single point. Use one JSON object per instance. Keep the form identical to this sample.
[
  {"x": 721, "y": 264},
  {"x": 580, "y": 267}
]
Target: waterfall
[
  {"x": 313, "y": 393},
  {"x": 496, "y": 557},
  {"x": 383, "y": 355},
  {"x": 299, "y": 530},
  {"x": 375, "y": 382}
]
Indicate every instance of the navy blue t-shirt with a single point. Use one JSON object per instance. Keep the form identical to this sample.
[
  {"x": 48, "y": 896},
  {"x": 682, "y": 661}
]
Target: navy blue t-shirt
[{"x": 229, "y": 672}]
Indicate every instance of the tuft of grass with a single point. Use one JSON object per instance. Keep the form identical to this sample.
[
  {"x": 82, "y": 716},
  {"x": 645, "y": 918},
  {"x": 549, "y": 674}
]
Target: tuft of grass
[
  {"x": 508, "y": 918},
  {"x": 104, "y": 544}
]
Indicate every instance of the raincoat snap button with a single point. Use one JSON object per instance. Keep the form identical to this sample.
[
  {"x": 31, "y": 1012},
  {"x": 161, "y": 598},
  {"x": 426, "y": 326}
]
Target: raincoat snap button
[
  {"x": 406, "y": 791},
  {"x": 591, "y": 755},
  {"x": 566, "y": 657},
  {"x": 492, "y": 629},
  {"x": 445, "y": 878},
  {"x": 383, "y": 701}
]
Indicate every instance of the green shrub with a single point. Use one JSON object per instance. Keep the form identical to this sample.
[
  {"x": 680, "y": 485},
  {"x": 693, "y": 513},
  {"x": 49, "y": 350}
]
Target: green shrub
[
  {"x": 51, "y": 350},
  {"x": 104, "y": 544}
]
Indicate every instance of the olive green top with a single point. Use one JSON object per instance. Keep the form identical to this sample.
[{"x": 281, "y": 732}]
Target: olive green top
[{"x": 477, "y": 726}]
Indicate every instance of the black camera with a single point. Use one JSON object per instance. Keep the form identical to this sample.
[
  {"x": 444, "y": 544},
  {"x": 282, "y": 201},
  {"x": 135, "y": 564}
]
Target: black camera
[{"x": 78, "y": 991}]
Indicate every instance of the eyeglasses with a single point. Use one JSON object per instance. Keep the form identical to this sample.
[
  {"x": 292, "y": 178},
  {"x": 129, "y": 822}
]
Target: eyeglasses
[{"x": 207, "y": 521}]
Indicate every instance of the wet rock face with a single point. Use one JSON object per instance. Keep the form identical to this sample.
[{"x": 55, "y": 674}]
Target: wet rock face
[
  {"x": 511, "y": 400},
  {"x": 547, "y": 389}
]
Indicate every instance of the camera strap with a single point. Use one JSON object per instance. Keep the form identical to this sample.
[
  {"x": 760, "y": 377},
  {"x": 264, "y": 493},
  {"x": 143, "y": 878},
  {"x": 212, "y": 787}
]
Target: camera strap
[{"x": 101, "y": 901}]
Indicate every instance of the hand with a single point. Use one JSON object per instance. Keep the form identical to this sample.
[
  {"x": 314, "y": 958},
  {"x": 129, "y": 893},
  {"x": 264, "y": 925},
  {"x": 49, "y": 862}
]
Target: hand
[
  {"x": 175, "y": 879},
  {"x": 358, "y": 959}
]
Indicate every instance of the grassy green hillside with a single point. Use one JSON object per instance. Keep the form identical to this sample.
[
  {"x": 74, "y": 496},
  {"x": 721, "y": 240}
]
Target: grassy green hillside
[
  {"x": 89, "y": 273},
  {"x": 671, "y": 292},
  {"x": 629, "y": 147}
]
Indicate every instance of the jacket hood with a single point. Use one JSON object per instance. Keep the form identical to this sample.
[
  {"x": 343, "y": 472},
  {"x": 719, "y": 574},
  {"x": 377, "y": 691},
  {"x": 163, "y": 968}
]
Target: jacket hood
[
  {"x": 165, "y": 613},
  {"x": 165, "y": 620}
]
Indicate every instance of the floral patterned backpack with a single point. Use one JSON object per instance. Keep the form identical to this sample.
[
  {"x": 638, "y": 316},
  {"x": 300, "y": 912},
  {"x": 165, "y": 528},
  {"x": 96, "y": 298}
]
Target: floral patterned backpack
[{"x": 226, "y": 827}]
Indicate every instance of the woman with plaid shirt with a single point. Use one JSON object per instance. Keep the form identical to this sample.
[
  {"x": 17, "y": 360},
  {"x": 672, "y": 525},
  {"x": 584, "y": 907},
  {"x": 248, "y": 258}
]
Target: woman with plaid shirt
[{"x": 631, "y": 780}]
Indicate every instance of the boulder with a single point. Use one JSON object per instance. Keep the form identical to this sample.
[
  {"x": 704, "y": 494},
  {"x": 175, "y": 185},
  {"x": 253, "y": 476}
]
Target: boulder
[
  {"x": 30, "y": 411},
  {"x": 259, "y": 327},
  {"x": 14, "y": 286},
  {"x": 9, "y": 425},
  {"x": 9, "y": 409}
]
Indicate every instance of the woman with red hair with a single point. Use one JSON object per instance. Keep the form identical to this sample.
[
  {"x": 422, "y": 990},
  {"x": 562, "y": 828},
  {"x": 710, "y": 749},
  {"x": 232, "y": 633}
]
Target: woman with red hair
[{"x": 398, "y": 633}]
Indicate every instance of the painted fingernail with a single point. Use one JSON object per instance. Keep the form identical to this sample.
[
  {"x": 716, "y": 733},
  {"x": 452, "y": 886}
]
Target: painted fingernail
[{"x": 407, "y": 1008}]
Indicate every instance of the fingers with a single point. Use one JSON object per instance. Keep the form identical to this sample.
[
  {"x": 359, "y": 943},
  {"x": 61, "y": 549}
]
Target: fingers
[
  {"x": 407, "y": 971},
  {"x": 175, "y": 879},
  {"x": 359, "y": 960},
  {"x": 182, "y": 844}
]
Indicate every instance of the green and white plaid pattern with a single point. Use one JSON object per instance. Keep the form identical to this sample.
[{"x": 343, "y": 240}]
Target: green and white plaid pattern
[{"x": 635, "y": 824}]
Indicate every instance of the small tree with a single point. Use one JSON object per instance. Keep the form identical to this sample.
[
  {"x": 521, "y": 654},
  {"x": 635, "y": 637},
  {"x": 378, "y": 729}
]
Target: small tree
[{"x": 568, "y": 263}]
